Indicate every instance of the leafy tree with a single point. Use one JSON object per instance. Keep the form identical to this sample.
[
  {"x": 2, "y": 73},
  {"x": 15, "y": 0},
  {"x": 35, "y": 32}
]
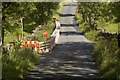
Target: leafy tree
[
  {"x": 21, "y": 13},
  {"x": 15, "y": 12},
  {"x": 99, "y": 11},
  {"x": 107, "y": 12}
]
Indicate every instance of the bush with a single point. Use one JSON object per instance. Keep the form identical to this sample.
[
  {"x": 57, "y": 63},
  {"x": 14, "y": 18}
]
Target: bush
[
  {"x": 107, "y": 58},
  {"x": 17, "y": 63}
]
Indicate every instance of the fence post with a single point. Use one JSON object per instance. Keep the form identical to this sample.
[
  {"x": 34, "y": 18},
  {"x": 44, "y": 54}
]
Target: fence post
[{"x": 119, "y": 35}]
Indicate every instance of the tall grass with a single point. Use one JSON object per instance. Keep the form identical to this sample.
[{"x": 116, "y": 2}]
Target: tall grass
[
  {"x": 107, "y": 58},
  {"x": 17, "y": 63}
]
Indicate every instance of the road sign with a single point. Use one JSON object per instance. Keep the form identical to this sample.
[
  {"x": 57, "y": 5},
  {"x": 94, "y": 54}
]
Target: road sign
[{"x": 45, "y": 35}]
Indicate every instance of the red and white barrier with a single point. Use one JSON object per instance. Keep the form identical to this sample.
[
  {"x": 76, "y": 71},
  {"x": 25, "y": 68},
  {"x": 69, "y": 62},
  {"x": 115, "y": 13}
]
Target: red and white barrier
[
  {"x": 35, "y": 44},
  {"x": 48, "y": 44}
]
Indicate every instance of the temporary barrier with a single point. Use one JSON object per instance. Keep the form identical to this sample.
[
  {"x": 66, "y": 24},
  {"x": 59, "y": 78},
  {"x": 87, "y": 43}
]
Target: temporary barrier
[
  {"x": 48, "y": 44},
  {"x": 35, "y": 45}
]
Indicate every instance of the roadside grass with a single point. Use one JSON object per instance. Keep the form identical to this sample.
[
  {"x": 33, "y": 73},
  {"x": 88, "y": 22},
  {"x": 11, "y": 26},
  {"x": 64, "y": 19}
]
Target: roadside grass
[
  {"x": 107, "y": 58},
  {"x": 49, "y": 28},
  {"x": 106, "y": 51},
  {"x": 17, "y": 63}
]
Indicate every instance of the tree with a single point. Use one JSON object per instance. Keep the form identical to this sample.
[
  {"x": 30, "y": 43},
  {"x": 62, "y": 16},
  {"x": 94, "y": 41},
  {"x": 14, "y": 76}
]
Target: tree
[
  {"x": 23, "y": 13},
  {"x": 99, "y": 11},
  {"x": 15, "y": 12}
]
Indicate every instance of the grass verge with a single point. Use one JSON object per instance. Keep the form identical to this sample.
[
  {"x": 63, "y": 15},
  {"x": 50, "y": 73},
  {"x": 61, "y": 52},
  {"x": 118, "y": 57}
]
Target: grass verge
[
  {"x": 17, "y": 63},
  {"x": 107, "y": 58}
]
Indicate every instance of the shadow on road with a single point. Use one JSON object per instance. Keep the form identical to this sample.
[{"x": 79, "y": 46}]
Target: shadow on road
[
  {"x": 71, "y": 5},
  {"x": 66, "y": 15},
  {"x": 67, "y": 61},
  {"x": 68, "y": 25},
  {"x": 70, "y": 33},
  {"x": 65, "y": 77}
]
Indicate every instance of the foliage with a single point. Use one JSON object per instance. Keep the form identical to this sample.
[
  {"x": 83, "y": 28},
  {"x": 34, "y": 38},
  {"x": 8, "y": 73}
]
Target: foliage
[
  {"x": 49, "y": 28},
  {"x": 33, "y": 14},
  {"x": 106, "y": 51},
  {"x": 91, "y": 12},
  {"x": 107, "y": 58},
  {"x": 17, "y": 63}
]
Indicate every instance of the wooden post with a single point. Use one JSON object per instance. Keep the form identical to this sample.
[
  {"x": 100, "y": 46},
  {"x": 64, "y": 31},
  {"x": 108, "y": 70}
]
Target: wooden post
[
  {"x": 119, "y": 35},
  {"x": 89, "y": 16},
  {"x": 1, "y": 36},
  {"x": 2, "y": 29},
  {"x": 21, "y": 28}
]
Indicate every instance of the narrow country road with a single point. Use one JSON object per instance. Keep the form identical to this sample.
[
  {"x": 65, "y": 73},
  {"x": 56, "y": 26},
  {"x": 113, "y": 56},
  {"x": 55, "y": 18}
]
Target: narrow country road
[{"x": 71, "y": 58}]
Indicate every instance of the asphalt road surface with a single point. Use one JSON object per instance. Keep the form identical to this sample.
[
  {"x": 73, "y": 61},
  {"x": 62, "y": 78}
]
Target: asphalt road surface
[{"x": 71, "y": 58}]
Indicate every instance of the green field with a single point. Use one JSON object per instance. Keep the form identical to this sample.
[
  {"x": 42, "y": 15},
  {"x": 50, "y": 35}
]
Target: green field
[{"x": 110, "y": 27}]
